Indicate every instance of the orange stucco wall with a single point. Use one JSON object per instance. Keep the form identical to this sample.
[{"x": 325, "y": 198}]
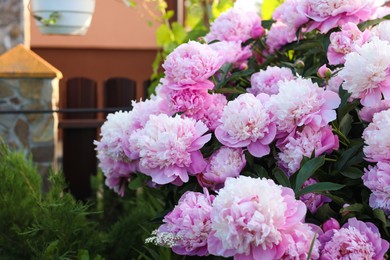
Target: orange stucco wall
[{"x": 114, "y": 26}]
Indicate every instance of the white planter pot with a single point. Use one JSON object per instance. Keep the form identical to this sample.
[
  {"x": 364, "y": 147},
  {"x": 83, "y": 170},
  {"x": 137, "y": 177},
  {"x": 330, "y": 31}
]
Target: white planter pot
[{"x": 75, "y": 16}]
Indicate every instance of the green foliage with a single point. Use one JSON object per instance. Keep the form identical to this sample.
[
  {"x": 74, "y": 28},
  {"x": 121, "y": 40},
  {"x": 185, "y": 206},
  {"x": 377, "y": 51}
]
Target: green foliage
[
  {"x": 36, "y": 226},
  {"x": 125, "y": 239},
  {"x": 19, "y": 189}
]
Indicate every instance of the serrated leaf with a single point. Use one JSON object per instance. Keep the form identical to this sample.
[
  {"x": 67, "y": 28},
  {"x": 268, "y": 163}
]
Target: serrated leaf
[
  {"x": 320, "y": 187},
  {"x": 307, "y": 170}
]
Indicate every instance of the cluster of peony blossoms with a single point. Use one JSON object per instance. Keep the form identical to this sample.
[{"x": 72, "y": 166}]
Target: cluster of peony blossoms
[{"x": 227, "y": 105}]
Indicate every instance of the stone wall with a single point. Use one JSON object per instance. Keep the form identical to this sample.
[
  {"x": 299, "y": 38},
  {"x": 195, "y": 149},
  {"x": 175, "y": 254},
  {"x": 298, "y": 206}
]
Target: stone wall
[
  {"x": 35, "y": 133},
  {"x": 14, "y": 24},
  {"x": 28, "y": 83}
]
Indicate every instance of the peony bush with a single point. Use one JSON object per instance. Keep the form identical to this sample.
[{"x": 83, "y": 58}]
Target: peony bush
[{"x": 274, "y": 133}]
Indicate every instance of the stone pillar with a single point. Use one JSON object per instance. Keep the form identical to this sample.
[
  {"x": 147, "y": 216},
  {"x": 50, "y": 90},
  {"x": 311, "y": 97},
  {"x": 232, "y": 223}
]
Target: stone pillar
[
  {"x": 14, "y": 24},
  {"x": 27, "y": 82}
]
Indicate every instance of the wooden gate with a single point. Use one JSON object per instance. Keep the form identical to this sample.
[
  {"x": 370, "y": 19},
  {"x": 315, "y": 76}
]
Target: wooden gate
[{"x": 80, "y": 127}]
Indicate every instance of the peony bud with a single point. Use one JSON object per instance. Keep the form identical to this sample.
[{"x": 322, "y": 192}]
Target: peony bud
[
  {"x": 330, "y": 224},
  {"x": 324, "y": 72}
]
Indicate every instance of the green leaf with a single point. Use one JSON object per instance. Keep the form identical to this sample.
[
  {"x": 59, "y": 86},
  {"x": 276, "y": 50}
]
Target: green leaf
[
  {"x": 346, "y": 124},
  {"x": 230, "y": 90},
  {"x": 357, "y": 207},
  {"x": 168, "y": 15},
  {"x": 346, "y": 156},
  {"x": 179, "y": 32},
  {"x": 136, "y": 183},
  {"x": 319, "y": 187},
  {"x": 380, "y": 215},
  {"x": 260, "y": 171},
  {"x": 267, "y": 23},
  {"x": 281, "y": 177},
  {"x": 374, "y": 22},
  {"x": 83, "y": 254},
  {"x": 164, "y": 35},
  {"x": 307, "y": 170},
  {"x": 352, "y": 173}
]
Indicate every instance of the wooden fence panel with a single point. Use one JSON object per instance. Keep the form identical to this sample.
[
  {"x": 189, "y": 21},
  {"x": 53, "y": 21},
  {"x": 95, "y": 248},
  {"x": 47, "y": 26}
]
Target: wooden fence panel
[
  {"x": 79, "y": 132},
  {"x": 119, "y": 92}
]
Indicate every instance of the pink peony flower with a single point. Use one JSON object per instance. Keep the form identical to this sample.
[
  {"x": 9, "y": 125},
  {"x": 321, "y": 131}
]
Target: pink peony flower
[
  {"x": 279, "y": 35},
  {"x": 313, "y": 200},
  {"x": 377, "y": 138},
  {"x": 188, "y": 224},
  {"x": 328, "y": 14},
  {"x": 377, "y": 179},
  {"x": 288, "y": 14},
  {"x": 266, "y": 81},
  {"x": 367, "y": 113},
  {"x": 344, "y": 42},
  {"x": 223, "y": 163},
  {"x": 245, "y": 122},
  {"x": 212, "y": 112},
  {"x": 232, "y": 52},
  {"x": 370, "y": 81},
  {"x": 382, "y": 30},
  {"x": 355, "y": 240},
  {"x": 254, "y": 218},
  {"x": 301, "y": 102},
  {"x": 117, "y": 167},
  {"x": 116, "y": 155},
  {"x": 235, "y": 24},
  {"x": 299, "y": 241},
  {"x": 304, "y": 143},
  {"x": 169, "y": 148},
  {"x": 249, "y": 5},
  {"x": 191, "y": 65},
  {"x": 334, "y": 84},
  {"x": 187, "y": 101}
]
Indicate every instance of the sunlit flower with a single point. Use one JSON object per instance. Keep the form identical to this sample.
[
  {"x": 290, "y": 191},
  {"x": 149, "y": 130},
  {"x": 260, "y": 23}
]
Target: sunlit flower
[
  {"x": 235, "y": 24},
  {"x": 191, "y": 65},
  {"x": 328, "y": 14}
]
